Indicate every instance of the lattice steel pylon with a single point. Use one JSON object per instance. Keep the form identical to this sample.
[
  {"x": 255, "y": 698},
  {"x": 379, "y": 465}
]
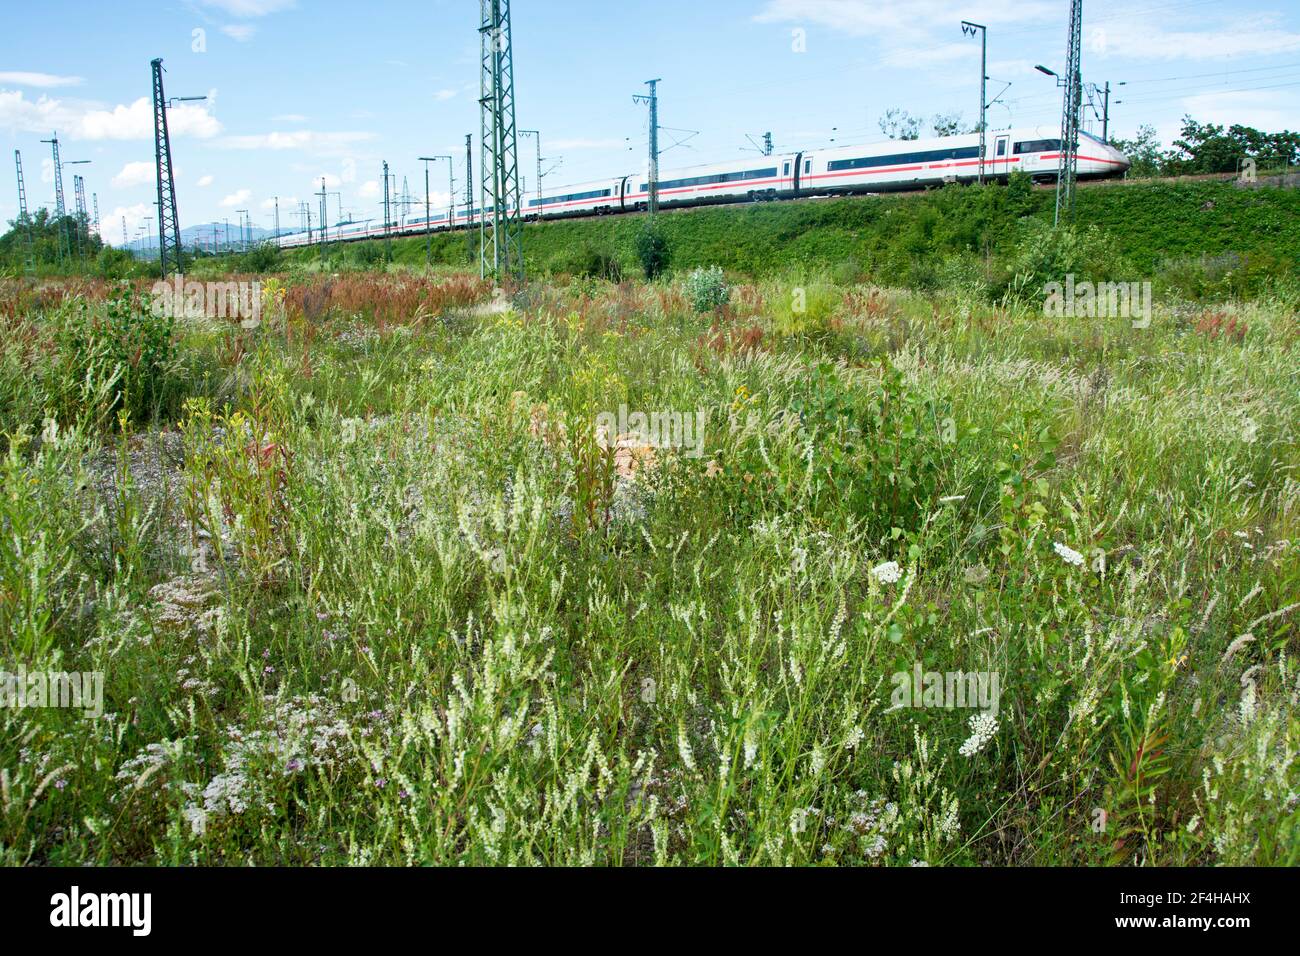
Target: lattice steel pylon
[
  {"x": 1068, "y": 165},
  {"x": 26, "y": 222},
  {"x": 60, "y": 210},
  {"x": 169, "y": 229},
  {"x": 83, "y": 218},
  {"x": 501, "y": 234}
]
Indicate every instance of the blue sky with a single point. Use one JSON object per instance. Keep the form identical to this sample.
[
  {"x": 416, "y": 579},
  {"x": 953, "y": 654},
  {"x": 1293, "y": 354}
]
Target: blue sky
[{"x": 298, "y": 89}]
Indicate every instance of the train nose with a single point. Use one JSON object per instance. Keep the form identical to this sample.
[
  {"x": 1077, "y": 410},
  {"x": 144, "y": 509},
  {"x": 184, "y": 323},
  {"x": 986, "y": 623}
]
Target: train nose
[{"x": 1118, "y": 157}]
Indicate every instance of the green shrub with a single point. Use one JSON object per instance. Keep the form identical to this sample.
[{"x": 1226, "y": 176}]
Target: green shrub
[
  {"x": 119, "y": 355},
  {"x": 707, "y": 289},
  {"x": 260, "y": 259},
  {"x": 652, "y": 249},
  {"x": 589, "y": 261},
  {"x": 805, "y": 305}
]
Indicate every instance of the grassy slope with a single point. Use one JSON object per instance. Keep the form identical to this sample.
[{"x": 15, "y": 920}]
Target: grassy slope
[{"x": 1151, "y": 223}]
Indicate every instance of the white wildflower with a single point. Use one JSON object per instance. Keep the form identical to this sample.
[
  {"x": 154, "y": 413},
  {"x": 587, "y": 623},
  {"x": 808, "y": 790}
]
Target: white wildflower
[
  {"x": 887, "y": 573},
  {"x": 684, "y": 748},
  {"x": 818, "y": 760},
  {"x": 983, "y": 727},
  {"x": 1068, "y": 555}
]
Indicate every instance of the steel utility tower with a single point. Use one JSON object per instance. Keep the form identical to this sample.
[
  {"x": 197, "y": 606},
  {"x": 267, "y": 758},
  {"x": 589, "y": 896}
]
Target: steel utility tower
[
  {"x": 501, "y": 240},
  {"x": 30, "y": 260},
  {"x": 59, "y": 209},
  {"x": 969, "y": 28},
  {"x": 169, "y": 229},
  {"x": 1068, "y": 166},
  {"x": 94, "y": 201},
  {"x": 58, "y": 177},
  {"x": 79, "y": 191},
  {"x": 652, "y": 171}
]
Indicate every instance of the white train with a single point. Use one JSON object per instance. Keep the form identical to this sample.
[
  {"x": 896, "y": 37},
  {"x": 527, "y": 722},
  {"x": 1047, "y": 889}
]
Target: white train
[{"x": 880, "y": 167}]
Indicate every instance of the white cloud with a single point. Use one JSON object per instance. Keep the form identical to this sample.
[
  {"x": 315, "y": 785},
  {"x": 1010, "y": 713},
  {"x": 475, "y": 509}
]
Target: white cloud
[
  {"x": 1267, "y": 110},
  {"x": 370, "y": 189},
  {"x": 136, "y": 121},
  {"x": 287, "y": 203},
  {"x": 204, "y": 182},
  {"x": 296, "y": 139},
  {"x": 242, "y": 32},
  {"x": 237, "y": 198},
  {"x": 249, "y": 8},
  {"x": 1141, "y": 38},
  {"x": 895, "y": 21},
  {"x": 443, "y": 95},
  {"x": 21, "y": 78},
  {"x": 135, "y": 216},
  {"x": 135, "y": 174},
  {"x": 93, "y": 121},
  {"x": 331, "y": 181},
  {"x": 289, "y": 118}
]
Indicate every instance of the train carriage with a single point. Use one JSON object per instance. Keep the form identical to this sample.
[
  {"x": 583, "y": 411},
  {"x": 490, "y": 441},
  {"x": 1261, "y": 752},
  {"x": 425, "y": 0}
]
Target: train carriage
[{"x": 875, "y": 167}]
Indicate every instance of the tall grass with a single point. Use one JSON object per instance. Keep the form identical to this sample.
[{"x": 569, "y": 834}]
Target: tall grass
[{"x": 413, "y": 610}]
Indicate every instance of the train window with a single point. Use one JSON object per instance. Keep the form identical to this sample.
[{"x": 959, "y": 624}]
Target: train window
[
  {"x": 1002, "y": 147},
  {"x": 787, "y": 170},
  {"x": 898, "y": 159},
  {"x": 807, "y": 166},
  {"x": 1037, "y": 146},
  {"x": 718, "y": 178}
]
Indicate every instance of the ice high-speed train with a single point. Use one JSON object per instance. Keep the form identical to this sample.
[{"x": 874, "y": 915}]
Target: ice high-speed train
[{"x": 879, "y": 167}]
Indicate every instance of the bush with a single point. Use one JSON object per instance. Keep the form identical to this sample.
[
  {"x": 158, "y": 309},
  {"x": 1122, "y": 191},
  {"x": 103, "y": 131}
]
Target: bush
[
  {"x": 806, "y": 306},
  {"x": 652, "y": 249},
  {"x": 707, "y": 289},
  {"x": 117, "y": 356},
  {"x": 115, "y": 263},
  {"x": 590, "y": 262},
  {"x": 367, "y": 253},
  {"x": 260, "y": 259},
  {"x": 1048, "y": 254}
]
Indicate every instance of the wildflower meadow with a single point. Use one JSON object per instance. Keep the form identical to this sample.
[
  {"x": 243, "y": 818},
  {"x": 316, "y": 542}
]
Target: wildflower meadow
[{"x": 693, "y": 571}]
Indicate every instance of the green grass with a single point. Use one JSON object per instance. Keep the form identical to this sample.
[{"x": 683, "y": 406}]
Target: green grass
[
  {"x": 1177, "y": 233},
  {"x": 368, "y": 589}
]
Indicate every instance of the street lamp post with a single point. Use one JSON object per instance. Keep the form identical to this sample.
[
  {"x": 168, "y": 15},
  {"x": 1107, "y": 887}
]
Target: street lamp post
[
  {"x": 428, "y": 210},
  {"x": 537, "y": 138},
  {"x": 969, "y": 28}
]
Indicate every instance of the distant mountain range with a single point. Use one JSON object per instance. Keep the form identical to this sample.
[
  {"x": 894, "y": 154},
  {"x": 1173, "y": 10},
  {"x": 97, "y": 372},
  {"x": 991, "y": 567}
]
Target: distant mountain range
[{"x": 208, "y": 236}]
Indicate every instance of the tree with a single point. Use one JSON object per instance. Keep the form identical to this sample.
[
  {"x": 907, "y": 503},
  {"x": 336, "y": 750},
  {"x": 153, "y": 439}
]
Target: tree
[
  {"x": 54, "y": 240},
  {"x": 899, "y": 124},
  {"x": 1208, "y": 148},
  {"x": 948, "y": 124},
  {"x": 1143, "y": 152}
]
